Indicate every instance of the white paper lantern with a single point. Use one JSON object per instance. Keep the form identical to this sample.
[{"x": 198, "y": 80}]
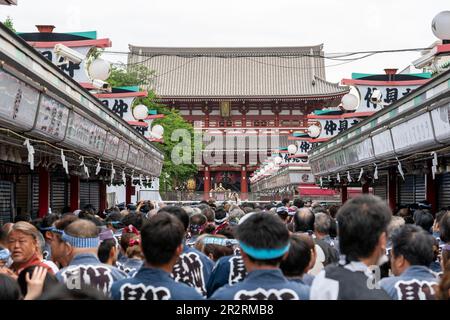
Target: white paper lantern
[
  {"x": 157, "y": 131},
  {"x": 350, "y": 102},
  {"x": 441, "y": 25},
  {"x": 278, "y": 160},
  {"x": 314, "y": 131},
  {"x": 99, "y": 69},
  {"x": 292, "y": 149},
  {"x": 140, "y": 112}
]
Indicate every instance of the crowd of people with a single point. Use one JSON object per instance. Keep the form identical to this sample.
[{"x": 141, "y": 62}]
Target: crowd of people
[{"x": 292, "y": 250}]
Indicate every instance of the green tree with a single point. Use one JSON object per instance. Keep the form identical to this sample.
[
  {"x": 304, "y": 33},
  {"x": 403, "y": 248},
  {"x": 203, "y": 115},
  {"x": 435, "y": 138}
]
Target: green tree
[
  {"x": 172, "y": 175},
  {"x": 9, "y": 24},
  {"x": 136, "y": 75}
]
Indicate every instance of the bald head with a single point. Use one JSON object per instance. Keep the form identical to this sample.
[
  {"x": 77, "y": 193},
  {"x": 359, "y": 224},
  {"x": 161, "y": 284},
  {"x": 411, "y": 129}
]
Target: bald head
[
  {"x": 304, "y": 220},
  {"x": 82, "y": 229}
]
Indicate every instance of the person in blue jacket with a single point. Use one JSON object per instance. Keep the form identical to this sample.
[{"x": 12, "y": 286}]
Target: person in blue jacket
[
  {"x": 411, "y": 254},
  {"x": 192, "y": 267},
  {"x": 227, "y": 270},
  {"x": 162, "y": 243},
  {"x": 85, "y": 269},
  {"x": 264, "y": 242}
]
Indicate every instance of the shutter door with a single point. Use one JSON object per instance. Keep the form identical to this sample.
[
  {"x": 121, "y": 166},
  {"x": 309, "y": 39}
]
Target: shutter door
[
  {"x": 6, "y": 209},
  {"x": 90, "y": 194},
  {"x": 22, "y": 194},
  {"x": 406, "y": 190},
  {"x": 57, "y": 194},
  {"x": 419, "y": 188},
  {"x": 84, "y": 194},
  {"x": 444, "y": 191},
  {"x": 95, "y": 194},
  {"x": 380, "y": 187},
  {"x": 34, "y": 188}
]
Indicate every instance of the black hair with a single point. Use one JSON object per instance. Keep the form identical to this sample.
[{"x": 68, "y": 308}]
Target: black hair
[
  {"x": 49, "y": 282},
  {"x": 22, "y": 217},
  {"x": 220, "y": 213},
  {"x": 298, "y": 203},
  {"x": 333, "y": 228},
  {"x": 361, "y": 221},
  {"x": 285, "y": 201},
  {"x": 47, "y": 222},
  {"x": 9, "y": 289},
  {"x": 304, "y": 220},
  {"x": 298, "y": 257},
  {"x": 414, "y": 244},
  {"x": 160, "y": 237},
  {"x": 423, "y": 219},
  {"x": 134, "y": 219},
  {"x": 444, "y": 227},
  {"x": 333, "y": 210},
  {"x": 104, "y": 249},
  {"x": 178, "y": 212},
  {"x": 263, "y": 231}
]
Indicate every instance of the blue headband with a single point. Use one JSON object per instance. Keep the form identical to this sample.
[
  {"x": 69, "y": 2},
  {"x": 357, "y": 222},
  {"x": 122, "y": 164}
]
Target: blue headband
[
  {"x": 52, "y": 229},
  {"x": 5, "y": 254},
  {"x": 220, "y": 241},
  {"x": 81, "y": 242},
  {"x": 264, "y": 254}
]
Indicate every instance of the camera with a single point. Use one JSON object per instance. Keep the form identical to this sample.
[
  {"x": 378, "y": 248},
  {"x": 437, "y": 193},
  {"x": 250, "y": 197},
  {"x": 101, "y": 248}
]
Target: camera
[
  {"x": 376, "y": 96},
  {"x": 68, "y": 54},
  {"x": 102, "y": 85}
]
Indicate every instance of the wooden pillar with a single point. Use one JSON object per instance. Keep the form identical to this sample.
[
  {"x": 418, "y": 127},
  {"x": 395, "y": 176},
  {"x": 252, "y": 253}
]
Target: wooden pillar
[
  {"x": 244, "y": 186},
  {"x": 365, "y": 188},
  {"x": 44, "y": 192},
  {"x": 74, "y": 193},
  {"x": 128, "y": 191},
  {"x": 392, "y": 188},
  {"x": 103, "y": 203},
  {"x": 431, "y": 189},
  {"x": 206, "y": 183},
  {"x": 344, "y": 194}
]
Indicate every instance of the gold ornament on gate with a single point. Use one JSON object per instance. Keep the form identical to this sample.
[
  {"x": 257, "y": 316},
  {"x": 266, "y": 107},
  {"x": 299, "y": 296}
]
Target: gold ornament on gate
[{"x": 191, "y": 184}]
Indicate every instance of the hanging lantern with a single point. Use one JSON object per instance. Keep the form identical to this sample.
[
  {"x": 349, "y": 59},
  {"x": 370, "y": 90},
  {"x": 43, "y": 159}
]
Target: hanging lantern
[
  {"x": 140, "y": 112},
  {"x": 350, "y": 102},
  {"x": 314, "y": 131},
  {"x": 441, "y": 25},
  {"x": 99, "y": 69},
  {"x": 278, "y": 160},
  {"x": 157, "y": 131},
  {"x": 292, "y": 149}
]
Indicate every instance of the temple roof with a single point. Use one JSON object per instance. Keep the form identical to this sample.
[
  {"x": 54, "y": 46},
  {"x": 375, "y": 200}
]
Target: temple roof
[{"x": 290, "y": 72}]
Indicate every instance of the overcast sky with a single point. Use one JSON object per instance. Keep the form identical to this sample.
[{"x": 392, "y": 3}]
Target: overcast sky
[{"x": 342, "y": 26}]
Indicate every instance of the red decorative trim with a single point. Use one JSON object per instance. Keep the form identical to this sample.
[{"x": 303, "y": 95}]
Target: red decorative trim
[
  {"x": 342, "y": 116},
  {"x": 155, "y": 116},
  {"x": 443, "y": 48},
  {"x": 309, "y": 139},
  {"x": 121, "y": 95},
  {"x": 384, "y": 83},
  {"x": 99, "y": 43},
  {"x": 137, "y": 123}
]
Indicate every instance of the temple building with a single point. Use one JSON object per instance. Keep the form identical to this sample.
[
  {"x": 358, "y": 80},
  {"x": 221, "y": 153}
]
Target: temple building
[{"x": 240, "y": 92}]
